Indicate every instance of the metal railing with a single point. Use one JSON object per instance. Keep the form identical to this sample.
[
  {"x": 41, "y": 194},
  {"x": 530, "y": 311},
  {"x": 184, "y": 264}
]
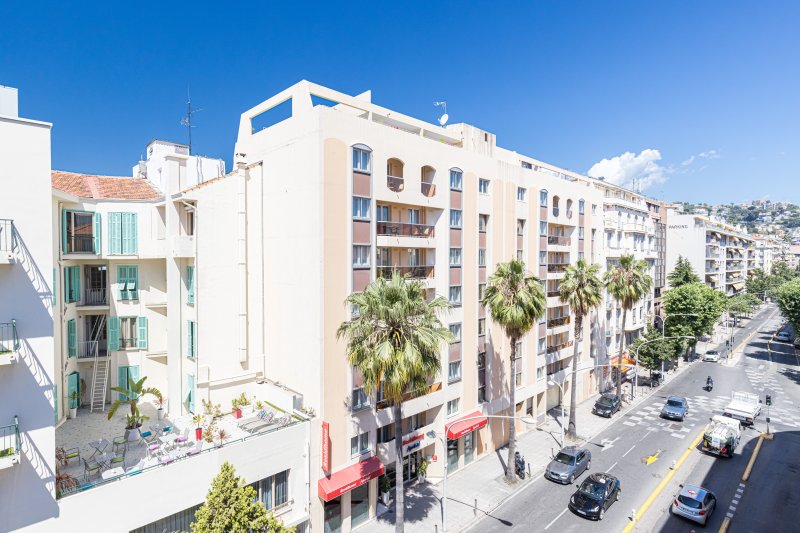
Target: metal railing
[
  {"x": 79, "y": 243},
  {"x": 404, "y": 229},
  {"x": 557, "y": 267},
  {"x": 6, "y": 235},
  {"x": 125, "y": 344},
  {"x": 428, "y": 189},
  {"x": 555, "y": 322},
  {"x": 425, "y": 271},
  {"x": 553, "y": 293},
  {"x": 87, "y": 349},
  {"x": 712, "y": 255},
  {"x": 395, "y": 184},
  {"x": 558, "y": 347},
  {"x": 95, "y": 297},
  {"x": 558, "y": 240},
  {"x": 9, "y": 341},
  {"x": 9, "y": 439}
]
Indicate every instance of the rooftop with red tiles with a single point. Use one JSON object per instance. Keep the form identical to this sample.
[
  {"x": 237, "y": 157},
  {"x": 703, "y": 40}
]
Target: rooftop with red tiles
[{"x": 104, "y": 187}]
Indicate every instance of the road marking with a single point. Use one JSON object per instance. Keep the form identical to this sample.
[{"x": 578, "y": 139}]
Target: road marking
[
  {"x": 735, "y": 502},
  {"x": 750, "y": 464},
  {"x": 650, "y": 459},
  {"x": 645, "y": 435},
  {"x": 607, "y": 443},
  {"x": 556, "y": 518},
  {"x": 612, "y": 466},
  {"x": 629, "y": 451}
]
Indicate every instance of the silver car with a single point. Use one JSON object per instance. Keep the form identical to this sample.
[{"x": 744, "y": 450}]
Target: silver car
[
  {"x": 570, "y": 463},
  {"x": 711, "y": 355},
  {"x": 676, "y": 408},
  {"x": 694, "y": 503},
  {"x": 783, "y": 336}
]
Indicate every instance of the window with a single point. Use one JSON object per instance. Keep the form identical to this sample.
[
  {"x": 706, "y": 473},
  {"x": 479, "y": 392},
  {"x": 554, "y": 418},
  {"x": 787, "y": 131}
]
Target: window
[
  {"x": 455, "y": 179},
  {"x": 361, "y": 207},
  {"x": 359, "y": 444},
  {"x": 190, "y": 284},
  {"x": 362, "y": 159},
  {"x": 481, "y": 326},
  {"x": 483, "y": 222},
  {"x": 360, "y": 399},
  {"x": 543, "y": 229},
  {"x": 128, "y": 282},
  {"x": 581, "y": 232},
  {"x": 581, "y": 206},
  {"x": 361, "y": 256},
  {"x": 540, "y": 373},
  {"x": 542, "y": 258},
  {"x": 520, "y": 255},
  {"x": 455, "y": 295},
  {"x": 518, "y": 376},
  {"x": 273, "y": 492},
  {"x": 454, "y": 371},
  {"x": 190, "y": 221},
  {"x": 543, "y": 198},
  {"x": 191, "y": 339},
  {"x": 527, "y": 165},
  {"x": 386, "y": 433},
  {"x": 481, "y": 377},
  {"x": 542, "y": 345},
  {"x": 455, "y": 257},
  {"x": 594, "y": 209},
  {"x": 529, "y": 406},
  {"x": 452, "y": 407},
  {"x": 520, "y": 226},
  {"x": 455, "y": 218},
  {"x": 455, "y": 329},
  {"x": 127, "y": 333},
  {"x": 483, "y": 186},
  {"x": 481, "y": 290},
  {"x": 72, "y": 284},
  {"x": 521, "y": 194},
  {"x": 481, "y": 257},
  {"x": 580, "y": 255},
  {"x": 122, "y": 233},
  {"x": 80, "y": 232}
]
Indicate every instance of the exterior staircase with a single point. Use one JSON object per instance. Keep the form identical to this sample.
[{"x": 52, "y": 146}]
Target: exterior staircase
[{"x": 100, "y": 372}]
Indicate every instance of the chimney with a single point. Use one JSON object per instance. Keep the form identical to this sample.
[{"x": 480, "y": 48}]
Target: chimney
[{"x": 9, "y": 101}]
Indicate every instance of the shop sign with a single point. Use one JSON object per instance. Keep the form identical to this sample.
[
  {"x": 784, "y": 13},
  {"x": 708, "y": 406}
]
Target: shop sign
[
  {"x": 409, "y": 440},
  {"x": 326, "y": 447},
  {"x": 413, "y": 446}
]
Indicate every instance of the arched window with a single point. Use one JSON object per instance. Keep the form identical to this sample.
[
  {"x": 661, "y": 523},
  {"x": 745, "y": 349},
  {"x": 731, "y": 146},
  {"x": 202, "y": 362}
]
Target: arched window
[
  {"x": 362, "y": 158},
  {"x": 427, "y": 175},
  {"x": 555, "y": 206},
  {"x": 394, "y": 174},
  {"x": 456, "y": 176}
]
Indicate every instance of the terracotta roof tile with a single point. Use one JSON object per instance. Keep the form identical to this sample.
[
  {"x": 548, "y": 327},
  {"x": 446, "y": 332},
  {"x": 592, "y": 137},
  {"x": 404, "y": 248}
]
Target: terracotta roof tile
[{"x": 104, "y": 187}]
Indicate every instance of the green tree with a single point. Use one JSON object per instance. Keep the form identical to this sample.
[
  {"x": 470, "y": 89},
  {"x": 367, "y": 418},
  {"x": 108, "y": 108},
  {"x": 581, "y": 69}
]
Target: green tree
[
  {"x": 682, "y": 274},
  {"x": 651, "y": 351},
  {"x": 582, "y": 289},
  {"x": 231, "y": 506},
  {"x": 515, "y": 300},
  {"x": 758, "y": 284},
  {"x": 693, "y": 298},
  {"x": 782, "y": 273},
  {"x": 394, "y": 340},
  {"x": 131, "y": 395},
  {"x": 788, "y": 298},
  {"x": 627, "y": 282}
]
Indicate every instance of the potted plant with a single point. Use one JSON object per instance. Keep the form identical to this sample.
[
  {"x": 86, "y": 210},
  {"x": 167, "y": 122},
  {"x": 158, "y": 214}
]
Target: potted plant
[
  {"x": 209, "y": 431},
  {"x": 259, "y": 405},
  {"x": 197, "y": 420},
  {"x": 423, "y": 470},
  {"x": 245, "y": 405},
  {"x": 222, "y": 436},
  {"x": 131, "y": 396},
  {"x": 160, "y": 402},
  {"x": 385, "y": 487},
  {"x": 236, "y": 410},
  {"x": 73, "y": 404}
]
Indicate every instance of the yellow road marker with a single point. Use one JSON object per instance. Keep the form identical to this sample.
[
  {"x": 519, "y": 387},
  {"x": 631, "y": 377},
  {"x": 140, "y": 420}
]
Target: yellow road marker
[
  {"x": 650, "y": 459},
  {"x": 750, "y": 464}
]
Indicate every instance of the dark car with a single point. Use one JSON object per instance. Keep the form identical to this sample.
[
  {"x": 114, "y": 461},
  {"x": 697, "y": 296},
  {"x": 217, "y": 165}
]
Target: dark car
[
  {"x": 676, "y": 408},
  {"x": 595, "y": 496},
  {"x": 606, "y": 405},
  {"x": 570, "y": 463}
]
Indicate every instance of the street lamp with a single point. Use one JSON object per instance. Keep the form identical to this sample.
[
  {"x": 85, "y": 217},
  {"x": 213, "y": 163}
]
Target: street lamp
[
  {"x": 636, "y": 355},
  {"x": 433, "y": 434}
]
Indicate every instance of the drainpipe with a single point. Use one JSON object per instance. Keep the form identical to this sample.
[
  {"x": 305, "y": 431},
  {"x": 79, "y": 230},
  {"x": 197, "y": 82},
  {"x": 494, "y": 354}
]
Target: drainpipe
[
  {"x": 241, "y": 254},
  {"x": 60, "y": 281}
]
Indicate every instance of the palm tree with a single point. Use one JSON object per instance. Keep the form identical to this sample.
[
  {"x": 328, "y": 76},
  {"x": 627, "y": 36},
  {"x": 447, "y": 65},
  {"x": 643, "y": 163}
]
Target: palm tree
[
  {"x": 627, "y": 282},
  {"x": 131, "y": 396},
  {"x": 515, "y": 300},
  {"x": 395, "y": 341},
  {"x": 582, "y": 289}
]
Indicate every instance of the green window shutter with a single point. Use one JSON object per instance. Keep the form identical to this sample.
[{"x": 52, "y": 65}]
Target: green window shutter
[
  {"x": 133, "y": 277},
  {"x": 122, "y": 380},
  {"x": 134, "y": 246},
  {"x": 73, "y": 385},
  {"x": 133, "y": 373},
  {"x": 190, "y": 281},
  {"x": 190, "y": 392},
  {"x": 64, "y": 231},
  {"x": 72, "y": 338},
  {"x": 114, "y": 233},
  {"x": 113, "y": 333},
  {"x": 129, "y": 233},
  {"x": 67, "y": 283},
  {"x": 76, "y": 283},
  {"x": 97, "y": 249},
  {"x": 141, "y": 337},
  {"x": 122, "y": 282}
]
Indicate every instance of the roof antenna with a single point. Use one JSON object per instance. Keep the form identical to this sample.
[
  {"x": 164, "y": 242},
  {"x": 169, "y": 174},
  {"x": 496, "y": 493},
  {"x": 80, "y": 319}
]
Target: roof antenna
[
  {"x": 444, "y": 118},
  {"x": 187, "y": 120}
]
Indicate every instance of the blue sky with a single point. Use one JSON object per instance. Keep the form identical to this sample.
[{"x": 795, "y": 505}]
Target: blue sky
[{"x": 703, "y": 96}]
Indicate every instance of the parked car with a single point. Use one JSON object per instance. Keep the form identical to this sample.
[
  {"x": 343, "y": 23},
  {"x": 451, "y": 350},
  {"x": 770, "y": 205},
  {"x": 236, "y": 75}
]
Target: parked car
[
  {"x": 607, "y": 404},
  {"x": 694, "y": 503},
  {"x": 711, "y": 355},
  {"x": 783, "y": 336},
  {"x": 570, "y": 463},
  {"x": 595, "y": 495},
  {"x": 676, "y": 408}
]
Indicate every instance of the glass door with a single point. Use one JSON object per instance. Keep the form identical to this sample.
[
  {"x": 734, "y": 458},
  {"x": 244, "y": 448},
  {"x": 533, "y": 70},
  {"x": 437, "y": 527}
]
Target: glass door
[
  {"x": 469, "y": 447},
  {"x": 452, "y": 455}
]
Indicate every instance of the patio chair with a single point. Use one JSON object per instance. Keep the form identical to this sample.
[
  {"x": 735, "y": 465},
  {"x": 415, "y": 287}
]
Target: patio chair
[
  {"x": 119, "y": 441},
  {"x": 119, "y": 459},
  {"x": 147, "y": 437},
  {"x": 197, "y": 448},
  {"x": 154, "y": 450},
  {"x": 183, "y": 439},
  {"x": 90, "y": 469},
  {"x": 63, "y": 456}
]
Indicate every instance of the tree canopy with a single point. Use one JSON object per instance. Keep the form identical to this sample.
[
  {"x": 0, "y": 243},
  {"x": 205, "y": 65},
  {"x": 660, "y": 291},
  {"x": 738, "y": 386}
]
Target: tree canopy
[
  {"x": 682, "y": 274},
  {"x": 788, "y": 298},
  {"x": 652, "y": 351},
  {"x": 693, "y": 298}
]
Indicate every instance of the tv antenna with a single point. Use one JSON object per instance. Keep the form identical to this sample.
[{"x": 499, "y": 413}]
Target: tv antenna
[
  {"x": 444, "y": 118},
  {"x": 187, "y": 120}
]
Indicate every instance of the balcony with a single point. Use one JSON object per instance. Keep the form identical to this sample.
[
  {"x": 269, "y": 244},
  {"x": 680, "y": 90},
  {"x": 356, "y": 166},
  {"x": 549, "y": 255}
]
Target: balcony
[
  {"x": 558, "y": 240},
  {"x": 92, "y": 349},
  {"x": 556, "y": 322},
  {"x": 413, "y": 272},
  {"x": 557, "y": 267},
  {"x": 634, "y": 325},
  {"x": 80, "y": 243},
  {"x": 414, "y": 402},
  {"x": 712, "y": 255},
  {"x": 559, "y": 347},
  {"x": 9, "y": 342},
  {"x": 551, "y": 294},
  {"x": 386, "y": 450},
  {"x": 7, "y": 241},
  {"x": 633, "y": 227},
  {"x": 95, "y": 296},
  {"x": 403, "y": 229},
  {"x": 9, "y": 445},
  {"x": 395, "y": 184},
  {"x": 428, "y": 189}
]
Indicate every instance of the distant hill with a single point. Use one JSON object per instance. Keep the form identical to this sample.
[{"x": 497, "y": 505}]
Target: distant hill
[{"x": 759, "y": 216}]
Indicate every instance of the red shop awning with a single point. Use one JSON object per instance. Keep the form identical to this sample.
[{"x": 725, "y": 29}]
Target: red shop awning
[
  {"x": 349, "y": 478},
  {"x": 466, "y": 424}
]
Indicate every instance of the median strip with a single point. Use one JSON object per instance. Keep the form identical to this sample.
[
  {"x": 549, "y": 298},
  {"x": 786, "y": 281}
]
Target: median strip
[
  {"x": 726, "y": 522},
  {"x": 650, "y": 499}
]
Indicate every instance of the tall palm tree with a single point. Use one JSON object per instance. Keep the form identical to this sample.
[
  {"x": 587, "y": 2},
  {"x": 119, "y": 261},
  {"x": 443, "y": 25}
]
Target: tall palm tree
[
  {"x": 627, "y": 282},
  {"x": 515, "y": 300},
  {"x": 395, "y": 341},
  {"x": 582, "y": 289}
]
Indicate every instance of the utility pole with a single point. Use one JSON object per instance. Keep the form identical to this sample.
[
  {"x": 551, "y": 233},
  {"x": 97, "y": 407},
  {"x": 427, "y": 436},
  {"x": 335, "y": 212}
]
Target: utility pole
[{"x": 187, "y": 120}]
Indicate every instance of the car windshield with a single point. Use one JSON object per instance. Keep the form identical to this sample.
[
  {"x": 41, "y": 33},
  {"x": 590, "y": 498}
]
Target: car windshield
[
  {"x": 675, "y": 403},
  {"x": 563, "y": 458},
  {"x": 712, "y": 352},
  {"x": 593, "y": 490},
  {"x": 689, "y": 502},
  {"x": 604, "y": 400}
]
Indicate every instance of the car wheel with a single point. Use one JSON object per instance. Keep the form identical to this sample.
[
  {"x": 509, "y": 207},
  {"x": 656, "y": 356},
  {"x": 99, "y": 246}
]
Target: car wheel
[
  {"x": 588, "y": 465},
  {"x": 602, "y": 514},
  {"x": 619, "y": 493},
  {"x": 571, "y": 479}
]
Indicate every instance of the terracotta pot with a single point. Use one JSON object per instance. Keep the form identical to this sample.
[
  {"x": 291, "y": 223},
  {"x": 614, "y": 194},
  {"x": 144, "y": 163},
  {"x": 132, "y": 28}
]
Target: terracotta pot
[
  {"x": 237, "y": 413},
  {"x": 198, "y": 434}
]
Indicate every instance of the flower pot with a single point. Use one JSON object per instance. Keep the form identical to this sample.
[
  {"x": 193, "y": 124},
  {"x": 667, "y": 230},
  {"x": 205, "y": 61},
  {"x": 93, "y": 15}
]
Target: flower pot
[
  {"x": 132, "y": 435},
  {"x": 198, "y": 434},
  {"x": 385, "y": 498},
  {"x": 161, "y": 413},
  {"x": 73, "y": 412},
  {"x": 237, "y": 413}
]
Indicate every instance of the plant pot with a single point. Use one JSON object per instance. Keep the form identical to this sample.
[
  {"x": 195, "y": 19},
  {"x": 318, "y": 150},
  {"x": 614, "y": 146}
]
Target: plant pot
[
  {"x": 73, "y": 412},
  {"x": 385, "y": 498},
  {"x": 247, "y": 410},
  {"x": 237, "y": 413},
  {"x": 198, "y": 434},
  {"x": 421, "y": 477},
  {"x": 132, "y": 435},
  {"x": 161, "y": 413}
]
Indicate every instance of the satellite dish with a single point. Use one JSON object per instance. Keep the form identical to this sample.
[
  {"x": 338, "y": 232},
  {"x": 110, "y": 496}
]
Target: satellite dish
[{"x": 443, "y": 119}]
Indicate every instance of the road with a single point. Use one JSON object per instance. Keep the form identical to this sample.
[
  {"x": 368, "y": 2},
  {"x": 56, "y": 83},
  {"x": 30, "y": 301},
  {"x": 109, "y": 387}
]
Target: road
[{"x": 623, "y": 447}]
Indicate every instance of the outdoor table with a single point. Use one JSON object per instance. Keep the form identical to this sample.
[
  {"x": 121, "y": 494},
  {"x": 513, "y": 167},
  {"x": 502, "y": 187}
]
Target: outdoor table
[
  {"x": 168, "y": 440},
  {"x": 99, "y": 446},
  {"x": 104, "y": 459},
  {"x": 113, "y": 472}
]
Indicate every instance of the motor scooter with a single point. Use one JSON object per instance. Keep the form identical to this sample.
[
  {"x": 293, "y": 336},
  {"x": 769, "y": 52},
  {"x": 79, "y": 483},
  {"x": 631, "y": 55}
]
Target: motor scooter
[{"x": 709, "y": 385}]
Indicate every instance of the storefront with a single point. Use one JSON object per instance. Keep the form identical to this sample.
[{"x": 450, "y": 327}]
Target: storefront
[
  {"x": 627, "y": 371},
  {"x": 348, "y": 490},
  {"x": 462, "y": 440}
]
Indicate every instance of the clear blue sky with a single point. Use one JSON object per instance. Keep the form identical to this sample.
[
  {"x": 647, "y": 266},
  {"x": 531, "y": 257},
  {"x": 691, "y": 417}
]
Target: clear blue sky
[{"x": 713, "y": 86}]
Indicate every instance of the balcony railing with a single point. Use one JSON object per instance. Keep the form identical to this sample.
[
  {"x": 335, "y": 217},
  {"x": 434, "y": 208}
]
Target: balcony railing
[
  {"x": 95, "y": 297},
  {"x": 712, "y": 255},
  {"x": 6, "y": 235},
  {"x": 559, "y": 347},
  {"x": 125, "y": 344},
  {"x": 557, "y": 267},
  {"x": 558, "y": 240},
  {"x": 87, "y": 349},
  {"x": 395, "y": 184},
  {"x": 9, "y": 342},
  {"x": 80, "y": 243},
  {"x": 416, "y": 272},
  {"x": 553, "y": 293},
  {"x": 9, "y": 444},
  {"x": 404, "y": 229},
  {"x": 428, "y": 189},
  {"x": 556, "y": 322}
]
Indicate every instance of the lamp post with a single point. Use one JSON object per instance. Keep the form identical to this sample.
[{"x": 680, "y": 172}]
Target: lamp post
[
  {"x": 664, "y": 325},
  {"x": 636, "y": 355},
  {"x": 433, "y": 434}
]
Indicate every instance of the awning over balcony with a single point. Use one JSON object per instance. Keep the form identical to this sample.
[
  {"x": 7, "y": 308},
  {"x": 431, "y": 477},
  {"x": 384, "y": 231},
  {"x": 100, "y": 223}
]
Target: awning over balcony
[
  {"x": 614, "y": 360},
  {"x": 738, "y": 286},
  {"x": 466, "y": 424},
  {"x": 349, "y": 478}
]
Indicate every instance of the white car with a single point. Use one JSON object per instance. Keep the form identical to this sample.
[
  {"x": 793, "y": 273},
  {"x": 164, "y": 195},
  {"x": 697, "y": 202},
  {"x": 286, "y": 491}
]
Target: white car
[{"x": 711, "y": 355}]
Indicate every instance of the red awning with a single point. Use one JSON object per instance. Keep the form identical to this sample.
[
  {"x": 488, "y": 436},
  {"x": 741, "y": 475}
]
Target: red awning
[
  {"x": 349, "y": 478},
  {"x": 466, "y": 424}
]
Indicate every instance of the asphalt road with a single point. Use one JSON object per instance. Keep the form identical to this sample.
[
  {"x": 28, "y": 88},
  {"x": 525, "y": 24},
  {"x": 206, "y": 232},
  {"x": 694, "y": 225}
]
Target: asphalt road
[{"x": 622, "y": 448}]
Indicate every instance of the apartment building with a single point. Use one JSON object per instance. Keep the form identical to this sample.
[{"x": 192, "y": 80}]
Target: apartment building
[
  {"x": 767, "y": 252},
  {"x": 658, "y": 214},
  {"x": 199, "y": 169},
  {"x": 721, "y": 254}
]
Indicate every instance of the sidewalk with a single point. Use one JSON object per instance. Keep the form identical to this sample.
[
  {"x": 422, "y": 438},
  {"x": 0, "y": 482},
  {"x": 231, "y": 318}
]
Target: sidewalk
[{"x": 482, "y": 483}]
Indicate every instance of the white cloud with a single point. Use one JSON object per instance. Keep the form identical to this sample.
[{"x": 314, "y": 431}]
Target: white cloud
[
  {"x": 708, "y": 154},
  {"x": 625, "y": 169}
]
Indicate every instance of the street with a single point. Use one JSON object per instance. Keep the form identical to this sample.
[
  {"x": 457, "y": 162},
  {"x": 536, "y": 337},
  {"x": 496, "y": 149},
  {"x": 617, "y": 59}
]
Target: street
[{"x": 640, "y": 449}]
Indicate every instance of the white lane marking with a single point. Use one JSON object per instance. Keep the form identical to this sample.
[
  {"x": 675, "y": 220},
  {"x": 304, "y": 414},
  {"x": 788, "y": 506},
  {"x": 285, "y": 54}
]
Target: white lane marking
[
  {"x": 735, "y": 502},
  {"x": 742, "y": 485},
  {"x": 610, "y": 467},
  {"x": 629, "y": 451},
  {"x": 732, "y": 508},
  {"x": 677, "y": 435},
  {"x": 729, "y": 515},
  {"x": 556, "y": 518},
  {"x": 626, "y": 423},
  {"x": 645, "y": 435}
]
